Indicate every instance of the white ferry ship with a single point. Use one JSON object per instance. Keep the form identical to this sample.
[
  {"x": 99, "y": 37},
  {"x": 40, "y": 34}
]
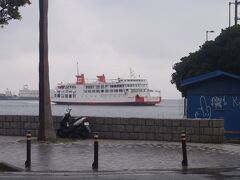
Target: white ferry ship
[
  {"x": 132, "y": 91},
  {"x": 26, "y": 94}
]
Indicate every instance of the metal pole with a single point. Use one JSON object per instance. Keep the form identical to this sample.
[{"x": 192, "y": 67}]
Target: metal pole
[
  {"x": 95, "y": 162},
  {"x": 28, "y": 161},
  {"x": 185, "y": 107},
  {"x": 229, "y": 13},
  {"x": 236, "y": 8},
  {"x": 184, "y": 149}
]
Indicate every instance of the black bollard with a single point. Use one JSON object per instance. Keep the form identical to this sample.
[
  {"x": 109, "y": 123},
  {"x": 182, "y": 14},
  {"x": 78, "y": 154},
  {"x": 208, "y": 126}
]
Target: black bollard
[
  {"x": 184, "y": 149},
  {"x": 28, "y": 161},
  {"x": 95, "y": 162}
]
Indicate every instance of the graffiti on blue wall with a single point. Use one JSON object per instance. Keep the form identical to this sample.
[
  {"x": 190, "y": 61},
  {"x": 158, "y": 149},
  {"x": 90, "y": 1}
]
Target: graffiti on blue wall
[
  {"x": 236, "y": 102},
  {"x": 204, "y": 111},
  {"x": 213, "y": 106},
  {"x": 218, "y": 103}
]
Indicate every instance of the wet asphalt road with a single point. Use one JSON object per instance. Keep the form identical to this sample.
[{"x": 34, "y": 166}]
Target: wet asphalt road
[
  {"x": 199, "y": 174},
  {"x": 120, "y": 159}
]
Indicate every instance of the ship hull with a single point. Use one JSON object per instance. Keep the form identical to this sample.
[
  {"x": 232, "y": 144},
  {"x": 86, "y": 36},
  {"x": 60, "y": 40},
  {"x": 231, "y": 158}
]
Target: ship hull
[
  {"x": 110, "y": 103},
  {"x": 19, "y": 98}
]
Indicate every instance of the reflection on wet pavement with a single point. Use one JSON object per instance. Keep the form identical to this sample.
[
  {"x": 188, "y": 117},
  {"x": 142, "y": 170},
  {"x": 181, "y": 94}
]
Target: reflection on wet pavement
[{"x": 118, "y": 155}]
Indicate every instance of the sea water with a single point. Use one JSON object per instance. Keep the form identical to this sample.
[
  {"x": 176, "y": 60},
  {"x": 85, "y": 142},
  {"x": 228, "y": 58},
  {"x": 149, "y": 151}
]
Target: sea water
[{"x": 166, "y": 109}]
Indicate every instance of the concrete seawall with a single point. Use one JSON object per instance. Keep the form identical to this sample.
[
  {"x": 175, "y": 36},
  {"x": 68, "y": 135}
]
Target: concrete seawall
[{"x": 206, "y": 131}]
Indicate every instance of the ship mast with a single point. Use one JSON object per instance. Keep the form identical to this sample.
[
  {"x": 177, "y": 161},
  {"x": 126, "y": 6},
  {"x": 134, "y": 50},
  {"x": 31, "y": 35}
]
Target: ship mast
[
  {"x": 132, "y": 74},
  {"x": 77, "y": 69},
  {"x": 80, "y": 78}
]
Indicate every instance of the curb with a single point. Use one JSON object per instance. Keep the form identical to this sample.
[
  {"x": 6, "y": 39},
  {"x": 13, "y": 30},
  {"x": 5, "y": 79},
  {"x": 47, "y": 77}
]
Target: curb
[{"x": 5, "y": 167}]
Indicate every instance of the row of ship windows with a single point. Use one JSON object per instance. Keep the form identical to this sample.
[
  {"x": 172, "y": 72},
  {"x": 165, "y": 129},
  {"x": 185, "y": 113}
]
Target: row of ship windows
[
  {"x": 102, "y": 95},
  {"x": 65, "y": 95},
  {"x": 102, "y": 91},
  {"x": 115, "y": 86},
  {"x": 70, "y": 87},
  {"x": 114, "y": 90},
  {"x": 66, "y": 91},
  {"x": 132, "y": 80}
]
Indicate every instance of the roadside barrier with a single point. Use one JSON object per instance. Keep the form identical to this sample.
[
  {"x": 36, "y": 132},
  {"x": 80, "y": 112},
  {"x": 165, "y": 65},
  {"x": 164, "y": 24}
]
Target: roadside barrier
[
  {"x": 28, "y": 161},
  {"x": 184, "y": 149},
  {"x": 95, "y": 162}
]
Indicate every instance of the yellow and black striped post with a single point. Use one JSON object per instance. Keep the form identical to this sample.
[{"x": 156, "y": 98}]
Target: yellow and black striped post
[
  {"x": 28, "y": 161},
  {"x": 184, "y": 149},
  {"x": 95, "y": 162}
]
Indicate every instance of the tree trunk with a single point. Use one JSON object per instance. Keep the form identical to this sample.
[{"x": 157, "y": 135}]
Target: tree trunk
[{"x": 46, "y": 129}]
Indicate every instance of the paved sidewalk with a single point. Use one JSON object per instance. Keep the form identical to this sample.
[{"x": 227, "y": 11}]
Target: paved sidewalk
[{"x": 125, "y": 158}]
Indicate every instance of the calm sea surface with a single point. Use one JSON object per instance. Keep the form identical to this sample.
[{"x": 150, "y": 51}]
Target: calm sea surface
[{"x": 166, "y": 109}]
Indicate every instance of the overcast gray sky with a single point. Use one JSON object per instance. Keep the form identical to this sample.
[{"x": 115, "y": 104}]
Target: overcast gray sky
[{"x": 108, "y": 37}]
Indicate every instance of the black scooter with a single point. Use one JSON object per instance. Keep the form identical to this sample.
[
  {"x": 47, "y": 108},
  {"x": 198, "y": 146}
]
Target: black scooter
[{"x": 71, "y": 127}]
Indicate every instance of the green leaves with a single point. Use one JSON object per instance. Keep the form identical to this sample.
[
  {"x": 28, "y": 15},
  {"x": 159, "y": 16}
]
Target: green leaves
[
  {"x": 221, "y": 54},
  {"x": 9, "y": 9}
]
